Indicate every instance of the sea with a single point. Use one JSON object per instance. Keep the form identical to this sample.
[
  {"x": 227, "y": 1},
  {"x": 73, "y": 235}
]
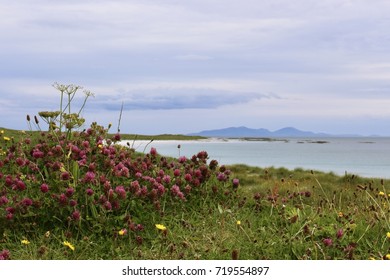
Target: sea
[{"x": 362, "y": 156}]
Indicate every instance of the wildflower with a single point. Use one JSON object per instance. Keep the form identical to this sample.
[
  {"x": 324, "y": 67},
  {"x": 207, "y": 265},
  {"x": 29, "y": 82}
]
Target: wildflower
[
  {"x": 89, "y": 177},
  {"x": 44, "y": 188},
  {"x": 188, "y": 177},
  {"x": 67, "y": 244},
  {"x": 381, "y": 193},
  {"x": 221, "y": 177},
  {"x": 62, "y": 199},
  {"x": 307, "y": 194},
  {"x": 20, "y": 161},
  {"x": 153, "y": 151},
  {"x": 121, "y": 192},
  {"x": 69, "y": 192},
  {"x": 236, "y": 182},
  {"x": 388, "y": 235},
  {"x": 20, "y": 185},
  {"x": 327, "y": 242},
  {"x": 89, "y": 192},
  {"x": 213, "y": 164},
  {"x": 139, "y": 240},
  {"x": 25, "y": 242},
  {"x": 65, "y": 176},
  {"x": 117, "y": 137},
  {"x": 108, "y": 205},
  {"x": 182, "y": 159},
  {"x": 27, "y": 202},
  {"x": 161, "y": 227},
  {"x": 38, "y": 154},
  {"x": 175, "y": 190},
  {"x": 72, "y": 202},
  {"x": 139, "y": 227},
  {"x": 122, "y": 232},
  {"x": 388, "y": 257},
  {"x": 339, "y": 233},
  {"x": 4, "y": 255},
  {"x": 238, "y": 222},
  {"x": 167, "y": 179},
  {"x": 47, "y": 234},
  {"x": 76, "y": 215},
  {"x": 341, "y": 214},
  {"x": 3, "y": 200},
  {"x": 6, "y": 138}
]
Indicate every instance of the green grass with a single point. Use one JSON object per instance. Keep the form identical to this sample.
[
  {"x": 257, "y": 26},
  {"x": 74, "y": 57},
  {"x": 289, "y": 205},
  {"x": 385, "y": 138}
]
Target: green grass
[
  {"x": 17, "y": 134},
  {"x": 277, "y": 221}
]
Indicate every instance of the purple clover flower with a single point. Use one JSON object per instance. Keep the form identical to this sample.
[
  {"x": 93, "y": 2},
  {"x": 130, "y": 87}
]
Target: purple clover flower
[
  {"x": 339, "y": 233},
  {"x": 121, "y": 192},
  {"x": 5, "y": 255},
  {"x": 236, "y": 183},
  {"x": 327, "y": 242},
  {"x": 44, "y": 188},
  {"x": 89, "y": 177},
  {"x": 76, "y": 215},
  {"x": 3, "y": 200},
  {"x": 89, "y": 192},
  {"x": 221, "y": 177},
  {"x": 27, "y": 202}
]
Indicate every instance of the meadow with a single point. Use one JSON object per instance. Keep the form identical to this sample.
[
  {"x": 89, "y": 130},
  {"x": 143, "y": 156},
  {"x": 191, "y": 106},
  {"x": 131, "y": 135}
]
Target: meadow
[{"x": 72, "y": 193}]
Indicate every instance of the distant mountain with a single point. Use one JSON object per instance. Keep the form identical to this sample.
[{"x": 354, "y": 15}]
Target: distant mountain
[{"x": 242, "y": 131}]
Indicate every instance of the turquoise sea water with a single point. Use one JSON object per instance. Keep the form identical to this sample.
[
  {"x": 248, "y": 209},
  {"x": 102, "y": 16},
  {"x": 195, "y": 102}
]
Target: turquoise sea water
[{"x": 366, "y": 157}]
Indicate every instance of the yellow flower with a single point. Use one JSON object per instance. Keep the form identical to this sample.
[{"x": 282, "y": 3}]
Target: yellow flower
[
  {"x": 47, "y": 234},
  {"x": 25, "y": 242},
  {"x": 381, "y": 193},
  {"x": 122, "y": 232},
  {"x": 2, "y": 132},
  {"x": 341, "y": 214},
  {"x": 100, "y": 146},
  {"x": 238, "y": 223},
  {"x": 388, "y": 257},
  {"x": 70, "y": 246},
  {"x": 388, "y": 235},
  {"x": 161, "y": 227},
  {"x": 371, "y": 259},
  {"x": 6, "y": 138}
]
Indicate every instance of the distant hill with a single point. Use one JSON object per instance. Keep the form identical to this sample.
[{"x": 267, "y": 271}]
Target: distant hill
[{"x": 242, "y": 131}]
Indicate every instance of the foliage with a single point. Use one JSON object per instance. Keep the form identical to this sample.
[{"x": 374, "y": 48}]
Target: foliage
[{"x": 82, "y": 183}]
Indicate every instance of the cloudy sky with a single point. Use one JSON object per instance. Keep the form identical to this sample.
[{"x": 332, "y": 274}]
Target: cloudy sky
[{"x": 181, "y": 66}]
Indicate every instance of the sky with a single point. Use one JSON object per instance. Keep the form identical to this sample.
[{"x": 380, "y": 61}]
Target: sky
[{"x": 183, "y": 66}]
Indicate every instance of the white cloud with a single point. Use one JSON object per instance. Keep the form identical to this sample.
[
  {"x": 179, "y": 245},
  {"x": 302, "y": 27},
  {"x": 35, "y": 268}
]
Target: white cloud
[
  {"x": 179, "y": 98},
  {"x": 193, "y": 57},
  {"x": 335, "y": 52}
]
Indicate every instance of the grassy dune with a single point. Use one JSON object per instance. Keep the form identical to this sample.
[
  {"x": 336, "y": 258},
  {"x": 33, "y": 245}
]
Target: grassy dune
[{"x": 272, "y": 213}]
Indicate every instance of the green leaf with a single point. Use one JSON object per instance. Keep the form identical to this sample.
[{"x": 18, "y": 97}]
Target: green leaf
[
  {"x": 220, "y": 209},
  {"x": 76, "y": 171}
]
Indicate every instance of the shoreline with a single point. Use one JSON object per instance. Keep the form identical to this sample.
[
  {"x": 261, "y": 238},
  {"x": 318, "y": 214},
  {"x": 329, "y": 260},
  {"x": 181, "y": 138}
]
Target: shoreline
[{"x": 333, "y": 156}]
